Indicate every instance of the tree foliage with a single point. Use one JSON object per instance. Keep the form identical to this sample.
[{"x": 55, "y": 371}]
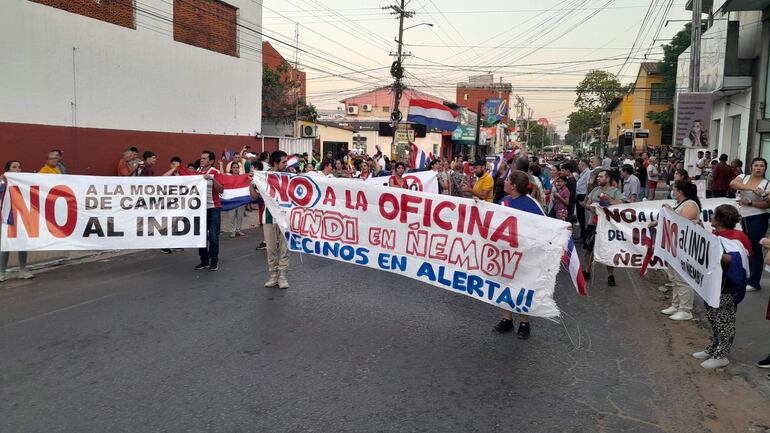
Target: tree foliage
[
  {"x": 279, "y": 96},
  {"x": 667, "y": 68},
  {"x": 596, "y": 90}
]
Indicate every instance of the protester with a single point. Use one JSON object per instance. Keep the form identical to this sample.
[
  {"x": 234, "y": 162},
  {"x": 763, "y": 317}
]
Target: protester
[
  {"x": 640, "y": 171},
  {"x": 237, "y": 214},
  {"x": 209, "y": 254},
  {"x": 51, "y": 164},
  {"x": 653, "y": 176},
  {"x": 538, "y": 189},
  {"x": 753, "y": 190},
  {"x": 62, "y": 168},
  {"x": 721, "y": 175},
  {"x": 566, "y": 170},
  {"x": 581, "y": 190},
  {"x": 603, "y": 195},
  {"x": 631, "y": 184},
  {"x": 396, "y": 179},
  {"x": 560, "y": 200},
  {"x": 499, "y": 188},
  {"x": 679, "y": 174},
  {"x": 441, "y": 176},
  {"x": 11, "y": 166},
  {"x": 688, "y": 206},
  {"x": 363, "y": 170},
  {"x": 277, "y": 250},
  {"x": 128, "y": 164},
  {"x": 325, "y": 168},
  {"x": 484, "y": 185},
  {"x": 340, "y": 170},
  {"x": 457, "y": 179},
  {"x": 148, "y": 167},
  {"x": 516, "y": 186},
  {"x": 722, "y": 319}
]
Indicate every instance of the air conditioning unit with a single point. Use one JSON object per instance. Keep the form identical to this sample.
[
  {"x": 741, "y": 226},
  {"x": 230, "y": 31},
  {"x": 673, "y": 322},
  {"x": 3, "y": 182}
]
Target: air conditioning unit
[
  {"x": 308, "y": 131},
  {"x": 353, "y": 109},
  {"x": 366, "y": 107}
]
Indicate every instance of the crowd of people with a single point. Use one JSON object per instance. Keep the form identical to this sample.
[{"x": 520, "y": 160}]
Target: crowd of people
[{"x": 570, "y": 190}]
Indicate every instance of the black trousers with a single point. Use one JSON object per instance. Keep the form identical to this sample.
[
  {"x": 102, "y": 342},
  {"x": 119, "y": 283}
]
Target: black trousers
[{"x": 581, "y": 213}]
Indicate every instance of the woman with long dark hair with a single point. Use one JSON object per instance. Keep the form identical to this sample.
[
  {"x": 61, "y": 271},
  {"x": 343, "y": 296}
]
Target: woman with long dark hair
[
  {"x": 396, "y": 179},
  {"x": 688, "y": 206},
  {"x": 753, "y": 190},
  {"x": 698, "y": 136},
  {"x": 11, "y": 166}
]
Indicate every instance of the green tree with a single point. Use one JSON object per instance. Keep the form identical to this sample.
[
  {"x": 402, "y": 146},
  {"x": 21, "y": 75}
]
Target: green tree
[
  {"x": 539, "y": 136},
  {"x": 279, "y": 96},
  {"x": 667, "y": 68},
  {"x": 597, "y": 89}
]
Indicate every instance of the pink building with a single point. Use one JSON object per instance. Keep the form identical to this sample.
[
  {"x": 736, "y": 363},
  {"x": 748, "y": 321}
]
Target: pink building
[{"x": 378, "y": 103}]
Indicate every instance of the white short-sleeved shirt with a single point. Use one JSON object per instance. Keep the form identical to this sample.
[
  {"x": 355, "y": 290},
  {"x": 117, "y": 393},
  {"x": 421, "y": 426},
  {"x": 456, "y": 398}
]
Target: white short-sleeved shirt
[{"x": 747, "y": 211}]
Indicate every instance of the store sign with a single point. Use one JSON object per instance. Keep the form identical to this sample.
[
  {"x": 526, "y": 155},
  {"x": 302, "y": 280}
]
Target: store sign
[
  {"x": 495, "y": 110},
  {"x": 465, "y": 134}
]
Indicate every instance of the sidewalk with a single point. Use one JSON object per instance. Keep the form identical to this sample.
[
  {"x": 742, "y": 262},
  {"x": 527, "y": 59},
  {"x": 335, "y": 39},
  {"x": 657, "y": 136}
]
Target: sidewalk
[{"x": 752, "y": 336}]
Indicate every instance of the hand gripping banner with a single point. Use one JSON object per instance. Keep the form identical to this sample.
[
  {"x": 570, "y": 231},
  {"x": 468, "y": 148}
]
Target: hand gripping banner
[
  {"x": 64, "y": 212},
  {"x": 491, "y": 253}
]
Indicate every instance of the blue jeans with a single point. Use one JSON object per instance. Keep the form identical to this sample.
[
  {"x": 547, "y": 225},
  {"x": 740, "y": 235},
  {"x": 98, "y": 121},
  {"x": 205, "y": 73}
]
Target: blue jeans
[
  {"x": 213, "y": 223},
  {"x": 755, "y": 228}
]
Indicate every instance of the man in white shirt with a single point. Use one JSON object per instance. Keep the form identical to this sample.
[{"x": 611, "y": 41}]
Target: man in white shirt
[
  {"x": 631, "y": 185},
  {"x": 581, "y": 189}
]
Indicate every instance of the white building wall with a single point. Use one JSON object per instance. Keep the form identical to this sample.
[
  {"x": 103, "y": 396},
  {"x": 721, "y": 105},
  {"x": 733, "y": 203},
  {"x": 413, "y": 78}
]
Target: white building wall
[
  {"x": 134, "y": 79},
  {"x": 725, "y": 110}
]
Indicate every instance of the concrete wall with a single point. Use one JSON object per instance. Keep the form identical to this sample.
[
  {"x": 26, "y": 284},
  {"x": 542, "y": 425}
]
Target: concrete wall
[{"x": 65, "y": 69}]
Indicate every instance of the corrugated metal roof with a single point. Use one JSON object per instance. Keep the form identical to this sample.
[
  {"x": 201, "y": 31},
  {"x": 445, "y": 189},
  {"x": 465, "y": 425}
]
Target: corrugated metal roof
[{"x": 650, "y": 68}]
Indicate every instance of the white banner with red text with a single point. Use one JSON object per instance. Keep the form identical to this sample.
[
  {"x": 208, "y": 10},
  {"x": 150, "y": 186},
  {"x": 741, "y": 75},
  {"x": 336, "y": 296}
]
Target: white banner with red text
[
  {"x": 693, "y": 252},
  {"x": 622, "y": 231},
  {"x": 66, "y": 212},
  {"x": 491, "y": 253}
]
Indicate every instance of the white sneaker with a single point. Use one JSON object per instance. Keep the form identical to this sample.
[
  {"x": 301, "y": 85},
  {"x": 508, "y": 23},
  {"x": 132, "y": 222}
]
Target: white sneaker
[
  {"x": 750, "y": 288},
  {"x": 272, "y": 282},
  {"x": 712, "y": 363},
  {"x": 3, "y": 277},
  {"x": 664, "y": 289},
  {"x": 669, "y": 284},
  {"x": 681, "y": 315},
  {"x": 669, "y": 311},
  {"x": 701, "y": 355},
  {"x": 283, "y": 283},
  {"x": 25, "y": 275}
]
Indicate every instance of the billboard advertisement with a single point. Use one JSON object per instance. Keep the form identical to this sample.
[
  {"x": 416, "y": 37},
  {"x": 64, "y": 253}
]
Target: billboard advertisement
[
  {"x": 692, "y": 120},
  {"x": 495, "y": 110}
]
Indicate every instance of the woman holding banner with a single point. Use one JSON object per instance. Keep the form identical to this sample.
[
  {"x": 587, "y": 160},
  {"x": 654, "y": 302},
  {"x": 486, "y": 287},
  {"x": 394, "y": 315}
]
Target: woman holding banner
[
  {"x": 722, "y": 319},
  {"x": 753, "y": 190},
  {"x": 12, "y": 166},
  {"x": 517, "y": 187},
  {"x": 687, "y": 205}
]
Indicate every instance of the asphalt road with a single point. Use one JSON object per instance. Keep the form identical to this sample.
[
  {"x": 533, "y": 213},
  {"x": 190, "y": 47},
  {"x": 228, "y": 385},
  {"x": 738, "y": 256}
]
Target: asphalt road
[{"x": 143, "y": 343}]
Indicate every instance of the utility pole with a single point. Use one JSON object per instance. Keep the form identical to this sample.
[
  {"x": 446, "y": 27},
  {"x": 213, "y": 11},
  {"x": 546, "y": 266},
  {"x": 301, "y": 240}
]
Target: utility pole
[
  {"x": 296, "y": 72},
  {"x": 697, "y": 6},
  {"x": 397, "y": 69},
  {"x": 690, "y": 155}
]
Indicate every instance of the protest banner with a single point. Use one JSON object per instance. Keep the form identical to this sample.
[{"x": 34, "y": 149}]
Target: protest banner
[
  {"x": 693, "y": 252},
  {"x": 491, "y": 253},
  {"x": 64, "y": 212},
  {"x": 622, "y": 231},
  {"x": 419, "y": 181}
]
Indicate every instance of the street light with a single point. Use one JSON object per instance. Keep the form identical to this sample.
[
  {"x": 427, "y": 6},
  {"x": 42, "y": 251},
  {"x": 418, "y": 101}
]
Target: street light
[{"x": 418, "y": 25}]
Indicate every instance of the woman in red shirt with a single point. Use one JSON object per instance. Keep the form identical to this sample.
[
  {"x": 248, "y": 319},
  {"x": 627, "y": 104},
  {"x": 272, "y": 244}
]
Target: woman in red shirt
[{"x": 397, "y": 180}]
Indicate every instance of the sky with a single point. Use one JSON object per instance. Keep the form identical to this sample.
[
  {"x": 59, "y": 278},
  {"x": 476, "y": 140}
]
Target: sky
[{"x": 542, "y": 48}]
